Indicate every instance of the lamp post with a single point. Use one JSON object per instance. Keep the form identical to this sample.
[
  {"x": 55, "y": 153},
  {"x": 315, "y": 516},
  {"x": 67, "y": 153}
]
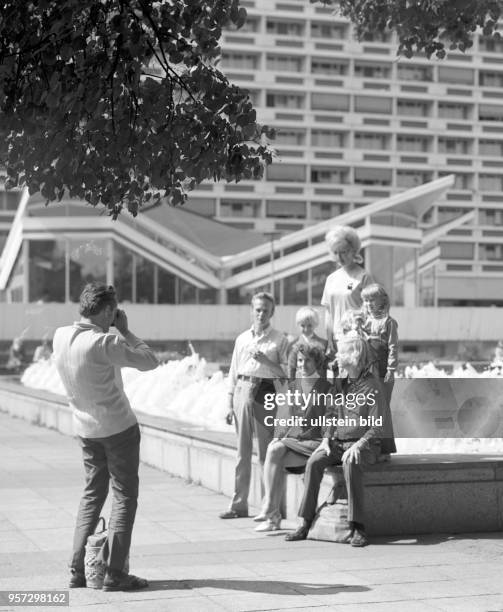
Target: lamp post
[{"x": 272, "y": 236}]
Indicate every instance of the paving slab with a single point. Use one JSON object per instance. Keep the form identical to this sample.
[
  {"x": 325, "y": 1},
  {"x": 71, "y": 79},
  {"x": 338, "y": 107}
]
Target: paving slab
[{"x": 199, "y": 563}]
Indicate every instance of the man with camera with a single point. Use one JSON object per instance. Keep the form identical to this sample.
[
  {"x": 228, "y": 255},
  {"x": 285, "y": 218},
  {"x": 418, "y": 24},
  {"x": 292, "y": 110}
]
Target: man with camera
[{"x": 88, "y": 359}]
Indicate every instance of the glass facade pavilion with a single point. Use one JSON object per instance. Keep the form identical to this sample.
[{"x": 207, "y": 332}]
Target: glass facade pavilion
[{"x": 172, "y": 256}]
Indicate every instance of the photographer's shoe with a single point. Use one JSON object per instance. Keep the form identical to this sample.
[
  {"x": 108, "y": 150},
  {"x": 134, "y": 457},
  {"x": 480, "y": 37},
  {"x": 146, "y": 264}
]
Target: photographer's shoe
[
  {"x": 120, "y": 581},
  {"x": 77, "y": 580}
]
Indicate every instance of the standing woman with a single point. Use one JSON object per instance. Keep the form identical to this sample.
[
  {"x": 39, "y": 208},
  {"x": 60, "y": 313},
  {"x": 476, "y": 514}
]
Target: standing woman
[{"x": 343, "y": 287}]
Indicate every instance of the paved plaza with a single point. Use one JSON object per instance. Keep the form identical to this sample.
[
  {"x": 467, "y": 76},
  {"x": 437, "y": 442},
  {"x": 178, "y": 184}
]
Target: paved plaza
[{"x": 197, "y": 562}]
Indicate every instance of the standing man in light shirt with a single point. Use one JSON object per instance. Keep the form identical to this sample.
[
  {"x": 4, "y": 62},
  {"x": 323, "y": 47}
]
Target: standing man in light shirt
[
  {"x": 259, "y": 357},
  {"x": 88, "y": 359}
]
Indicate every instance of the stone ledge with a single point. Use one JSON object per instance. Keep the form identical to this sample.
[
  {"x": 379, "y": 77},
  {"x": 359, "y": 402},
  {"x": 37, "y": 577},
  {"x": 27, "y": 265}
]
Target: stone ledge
[{"x": 411, "y": 494}]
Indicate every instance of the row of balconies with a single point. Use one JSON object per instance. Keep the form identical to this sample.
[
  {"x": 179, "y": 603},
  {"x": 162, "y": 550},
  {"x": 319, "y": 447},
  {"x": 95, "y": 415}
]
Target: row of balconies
[{"x": 343, "y": 62}]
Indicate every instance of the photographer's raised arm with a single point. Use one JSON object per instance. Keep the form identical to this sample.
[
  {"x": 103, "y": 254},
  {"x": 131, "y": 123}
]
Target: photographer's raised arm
[{"x": 128, "y": 351}]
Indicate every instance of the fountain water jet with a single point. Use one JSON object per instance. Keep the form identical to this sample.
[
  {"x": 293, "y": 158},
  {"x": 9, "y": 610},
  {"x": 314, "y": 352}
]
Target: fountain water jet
[{"x": 184, "y": 390}]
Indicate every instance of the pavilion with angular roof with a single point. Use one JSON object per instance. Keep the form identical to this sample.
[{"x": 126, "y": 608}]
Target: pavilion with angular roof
[{"x": 173, "y": 256}]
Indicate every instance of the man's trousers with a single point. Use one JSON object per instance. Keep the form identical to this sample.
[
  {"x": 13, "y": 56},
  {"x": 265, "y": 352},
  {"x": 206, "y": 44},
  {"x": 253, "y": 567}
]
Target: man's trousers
[
  {"x": 250, "y": 421},
  {"x": 353, "y": 475},
  {"x": 113, "y": 459}
]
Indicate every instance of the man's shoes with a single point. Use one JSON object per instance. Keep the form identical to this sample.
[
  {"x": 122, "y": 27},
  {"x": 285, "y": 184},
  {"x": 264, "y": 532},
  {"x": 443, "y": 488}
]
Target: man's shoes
[
  {"x": 232, "y": 514},
  {"x": 359, "y": 538},
  {"x": 260, "y": 517},
  {"x": 300, "y": 534},
  {"x": 77, "y": 580},
  {"x": 120, "y": 581}
]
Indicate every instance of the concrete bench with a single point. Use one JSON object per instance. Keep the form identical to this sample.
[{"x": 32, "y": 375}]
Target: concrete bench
[{"x": 414, "y": 494}]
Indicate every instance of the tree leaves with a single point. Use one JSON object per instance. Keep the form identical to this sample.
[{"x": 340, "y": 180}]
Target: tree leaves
[
  {"x": 78, "y": 114},
  {"x": 427, "y": 26}
]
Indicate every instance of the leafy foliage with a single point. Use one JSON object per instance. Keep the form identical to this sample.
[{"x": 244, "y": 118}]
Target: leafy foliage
[
  {"x": 120, "y": 102},
  {"x": 423, "y": 25}
]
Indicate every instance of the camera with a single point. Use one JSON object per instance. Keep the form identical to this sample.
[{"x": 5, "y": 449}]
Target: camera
[{"x": 112, "y": 324}]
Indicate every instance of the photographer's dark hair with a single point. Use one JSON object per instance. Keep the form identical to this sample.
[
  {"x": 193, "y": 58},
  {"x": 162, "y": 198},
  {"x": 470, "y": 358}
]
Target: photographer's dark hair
[{"x": 94, "y": 297}]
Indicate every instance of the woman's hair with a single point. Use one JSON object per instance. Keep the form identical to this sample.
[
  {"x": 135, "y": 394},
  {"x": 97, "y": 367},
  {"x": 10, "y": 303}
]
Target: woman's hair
[
  {"x": 344, "y": 233},
  {"x": 94, "y": 297},
  {"x": 378, "y": 292},
  {"x": 314, "y": 352},
  {"x": 353, "y": 344},
  {"x": 306, "y": 313}
]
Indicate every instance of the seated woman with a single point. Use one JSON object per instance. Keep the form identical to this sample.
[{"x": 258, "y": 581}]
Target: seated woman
[
  {"x": 362, "y": 423},
  {"x": 292, "y": 446}
]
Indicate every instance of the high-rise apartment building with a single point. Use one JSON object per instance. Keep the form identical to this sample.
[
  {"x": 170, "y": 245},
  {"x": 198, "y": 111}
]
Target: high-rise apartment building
[{"x": 356, "y": 124}]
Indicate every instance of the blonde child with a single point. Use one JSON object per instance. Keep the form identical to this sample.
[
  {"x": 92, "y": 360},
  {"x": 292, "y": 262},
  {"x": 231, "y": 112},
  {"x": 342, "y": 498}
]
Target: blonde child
[
  {"x": 382, "y": 335},
  {"x": 307, "y": 320}
]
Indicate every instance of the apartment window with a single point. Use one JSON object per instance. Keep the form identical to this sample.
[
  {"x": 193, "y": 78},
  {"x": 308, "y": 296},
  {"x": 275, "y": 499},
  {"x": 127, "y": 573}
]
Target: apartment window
[
  {"x": 448, "y": 213},
  {"x": 490, "y": 216},
  {"x": 254, "y": 96},
  {"x": 412, "y": 143},
  {"x": 458, "y": 76},
  {"x": 456, "y": 250},
  {"x": 371, "y": 104},
  {"x": 491, "y": 44},
  {"x": 461, "y": 181},
  {"x": 491, "y": 147},
  {"x": 412, "y": 178},
  {"x": 251, "y": 25},
  {"x": 285, "y": 28},
  {"x": 411, "y": 72},
  {"x": 247, "y": 61},
  {"x": 491, "y": 182},
  {"x": 328, "y": 175},
  {"x": 453, "y": 111},
  {"x": 326, "y": 210},
  {"x": 491, "y": 252},
  {"x": 202, "y": 206},
  {"x": 456, "y": 146},
  {"x": 321, "y": 29},
  {"x": 285, "y": 63},
  {"x": 490, "y": 112},
  {"x": 374, "y": 141},
  {"x": 328, "y": 67},
  {"x": 285, "y": 100},
  {"x": 286, "y": 209},
  {"x": 326, "y": 101},
  {"x": 240, "y": 208},
  {"x": 490, "y": 79},
  {"x": 371, "y": 70},
  {"x": 373, "y": 176},
  {"x": 327, "y": 138},
  {"x": 382, "y": 37},
  {"x": 286, "y": 172},
  {"x": 413, "y": 108},
  {"x": 287, "y": 136}
]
